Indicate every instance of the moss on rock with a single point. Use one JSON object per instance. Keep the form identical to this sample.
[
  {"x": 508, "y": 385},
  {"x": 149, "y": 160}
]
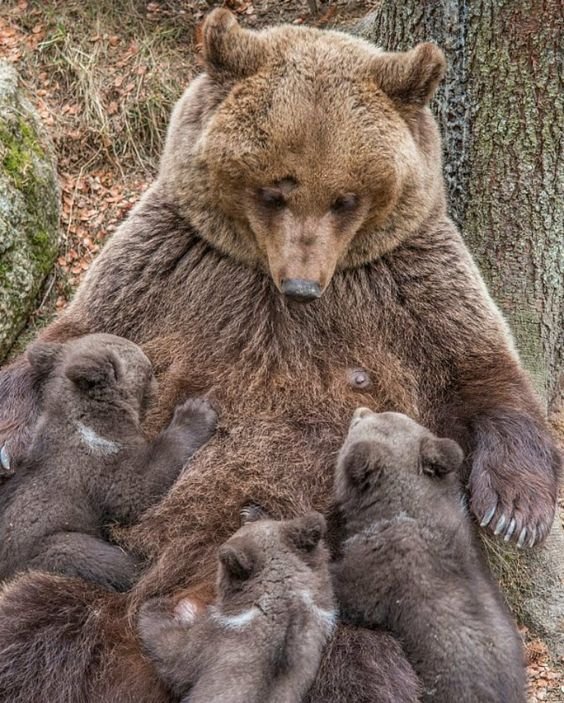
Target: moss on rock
[{"x": 29, "y": 200}]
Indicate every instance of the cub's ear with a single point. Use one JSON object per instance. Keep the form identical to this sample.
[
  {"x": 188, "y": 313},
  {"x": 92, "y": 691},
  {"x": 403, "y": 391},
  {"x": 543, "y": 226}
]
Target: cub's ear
[
  {"x": 359, "y": 461},
  {"x": 410, "y": 77},
  {"x": 237, "y": 560},
  {"x": 230, "y": 51},
  {"x": 440, "y": 456},
  {"x": 43, "y": 356},
  {"x": 92, "y": 371},
  {"x": 306, "y": 532}
]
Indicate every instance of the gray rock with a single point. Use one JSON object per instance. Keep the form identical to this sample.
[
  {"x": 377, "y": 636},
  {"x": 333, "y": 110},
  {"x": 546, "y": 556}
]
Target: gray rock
[{"x": 29, "y": 207}]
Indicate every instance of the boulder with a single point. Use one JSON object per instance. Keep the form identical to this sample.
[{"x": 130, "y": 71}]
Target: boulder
[{"x": 29, "y": 207}]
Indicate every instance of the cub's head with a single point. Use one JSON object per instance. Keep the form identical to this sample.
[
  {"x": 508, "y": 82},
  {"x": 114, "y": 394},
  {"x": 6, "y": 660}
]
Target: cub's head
[
  {"x": 389, "y": 452},
  {"x": 275, "y": 554},
  {"x": 94, "y": 370},
  {"x": 302, "y": 151}
]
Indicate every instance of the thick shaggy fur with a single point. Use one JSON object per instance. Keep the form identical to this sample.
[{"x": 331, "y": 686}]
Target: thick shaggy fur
[
  {"x": 261, "y": 641},
  {"x": 88, "y": 464},
  {"x": 410, "y": 562},
  {"x": 315, "y": 116}
]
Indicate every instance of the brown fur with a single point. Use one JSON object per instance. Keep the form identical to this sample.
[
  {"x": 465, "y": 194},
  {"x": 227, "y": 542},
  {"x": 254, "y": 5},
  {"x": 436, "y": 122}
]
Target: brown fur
[
  {"x": 261, "y": 641},
  {"x": 188, "y": 276},
  {"x": 410, "y": 562}
]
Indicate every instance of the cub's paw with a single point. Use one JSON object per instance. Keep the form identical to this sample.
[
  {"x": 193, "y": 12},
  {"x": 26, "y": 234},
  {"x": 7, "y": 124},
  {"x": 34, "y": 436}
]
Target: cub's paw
[
  {"x": 196, "y": 414},
  {"x": 252, "y": 512},
  {"x": 155, "y": 617},
  {"x": 518, "y": 509}
]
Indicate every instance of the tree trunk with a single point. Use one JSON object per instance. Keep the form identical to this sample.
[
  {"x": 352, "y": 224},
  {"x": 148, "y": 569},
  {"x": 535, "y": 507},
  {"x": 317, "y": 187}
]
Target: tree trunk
[{"x": 501, "y": 112}]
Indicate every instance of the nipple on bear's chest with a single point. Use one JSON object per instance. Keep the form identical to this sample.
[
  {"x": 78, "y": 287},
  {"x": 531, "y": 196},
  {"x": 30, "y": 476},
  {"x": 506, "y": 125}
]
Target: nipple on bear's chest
[{"x": 358, "y": 379}]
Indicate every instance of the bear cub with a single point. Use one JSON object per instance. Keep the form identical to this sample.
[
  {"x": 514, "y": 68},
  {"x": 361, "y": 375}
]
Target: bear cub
[
  {"x": 88, "y": 464},
  {"x": 408, "y": 561},
  {"x": 262, "y": 639}
]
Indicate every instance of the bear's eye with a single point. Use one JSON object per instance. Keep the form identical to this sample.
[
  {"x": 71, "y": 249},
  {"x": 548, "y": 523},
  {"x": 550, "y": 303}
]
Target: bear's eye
[
  {"x": 271, "y": 198},
  {"x": 345, "y": 203}
]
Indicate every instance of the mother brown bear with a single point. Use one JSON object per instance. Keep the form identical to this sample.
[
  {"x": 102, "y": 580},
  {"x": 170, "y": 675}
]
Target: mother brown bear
[{"x": 302, "y": 166}]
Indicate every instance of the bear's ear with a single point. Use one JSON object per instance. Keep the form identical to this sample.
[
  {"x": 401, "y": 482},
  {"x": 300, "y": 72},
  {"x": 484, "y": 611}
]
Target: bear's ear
[
  {"x": 410, "y": 77},
  {"x": 92, "y": 371},
  {"x": 440, "y": 456},
  {"x": 230, "y": 51},
  {"x": 43, "y": 356},
  {"x": 237, "y": 561},
  {"x": 359, "y": 461},
  {"x": 306, "y": 532}
]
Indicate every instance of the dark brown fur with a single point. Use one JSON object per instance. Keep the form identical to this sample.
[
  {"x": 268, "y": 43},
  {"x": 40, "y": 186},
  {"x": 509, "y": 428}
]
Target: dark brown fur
[
  {"x": 261, "y": 641},
  {"x": 190, "y": 278},
  {"x": 410, "y": 562},
  {"x": 88, "y": 463}
]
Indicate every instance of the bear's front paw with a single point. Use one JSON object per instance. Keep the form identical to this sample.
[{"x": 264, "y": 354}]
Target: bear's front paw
[
  {"x": 518, "y": 508},
  {"x": 196, "y": 414}
]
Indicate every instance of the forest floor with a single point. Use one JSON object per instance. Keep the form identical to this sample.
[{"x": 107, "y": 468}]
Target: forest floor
[{"x": 104, "y": 76}]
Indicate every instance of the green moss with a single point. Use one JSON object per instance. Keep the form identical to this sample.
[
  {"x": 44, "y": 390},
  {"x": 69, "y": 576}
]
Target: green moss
[
  {"x": 17, "y": 154},
  {"x": 43, "y": 250},
  {"x": 30, "y": 210}
]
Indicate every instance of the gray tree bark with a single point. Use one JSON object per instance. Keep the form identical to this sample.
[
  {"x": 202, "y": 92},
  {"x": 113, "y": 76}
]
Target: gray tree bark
[{"x": 501, "y": 113}]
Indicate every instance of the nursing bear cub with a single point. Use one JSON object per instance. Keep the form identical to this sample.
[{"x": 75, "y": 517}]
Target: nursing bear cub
[
  {"x": 88, "y": 464},
  {"x": 409, "y": 562},
  {"x": 262, "y": 639}
]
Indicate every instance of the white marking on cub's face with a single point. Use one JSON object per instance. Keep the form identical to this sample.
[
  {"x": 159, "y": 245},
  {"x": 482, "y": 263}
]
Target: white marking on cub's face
[
  {"x": 326, "y": 618},
  {"x": 233, "y": 622},
  {"x": 97, "y": 444}
]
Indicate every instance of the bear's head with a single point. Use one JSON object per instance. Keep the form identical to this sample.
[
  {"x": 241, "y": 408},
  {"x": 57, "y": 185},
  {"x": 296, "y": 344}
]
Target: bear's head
[
  {"x": 272, "y": 558},
  {"x": 92, "y": 373},
  {"x": 389, "y": 455},
  {"x": 303, "y": 152}
]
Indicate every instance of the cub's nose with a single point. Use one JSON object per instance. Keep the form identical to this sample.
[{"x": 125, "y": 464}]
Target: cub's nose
[
  {"x": 301, "y": 290},
  {"x": 361, "y": 412}
]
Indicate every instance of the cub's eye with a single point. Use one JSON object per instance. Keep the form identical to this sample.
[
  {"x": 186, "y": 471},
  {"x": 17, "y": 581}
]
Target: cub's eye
[
  {"x": 345, "y": 203},
  {"x": 271, "y": 198}
]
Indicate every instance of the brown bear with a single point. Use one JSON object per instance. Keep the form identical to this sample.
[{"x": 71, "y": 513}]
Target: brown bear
[
  {"x": 261, "y": 641},
  {"x": 88, "y": 463},
  {"x": 302, "y": 165},
  {"x": 410, "y": 562}
]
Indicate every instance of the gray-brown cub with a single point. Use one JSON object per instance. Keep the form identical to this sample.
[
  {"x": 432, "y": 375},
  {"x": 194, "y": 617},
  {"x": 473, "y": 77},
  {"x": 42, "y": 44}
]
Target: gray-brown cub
[
  {"x": 88, "y": 464},
  {"x": 409, "y": 562},
  {"x": 261, "y": 642}
]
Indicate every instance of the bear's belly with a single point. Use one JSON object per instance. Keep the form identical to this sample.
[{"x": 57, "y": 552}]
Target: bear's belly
[{"x": 278, "y": 438}]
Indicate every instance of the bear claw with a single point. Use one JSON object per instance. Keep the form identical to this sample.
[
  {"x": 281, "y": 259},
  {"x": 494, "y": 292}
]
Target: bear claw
[
  {"x": 4, "y": 458},
  {"x": 500, "y": 525},
  {"x": 510, "y": 529},
  {"x": 488, "y": 516},
  {"x": 521, "y": 540}
]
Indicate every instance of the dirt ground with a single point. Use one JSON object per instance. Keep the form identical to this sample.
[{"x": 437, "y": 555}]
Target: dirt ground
[{"x": 104, "y": 76}]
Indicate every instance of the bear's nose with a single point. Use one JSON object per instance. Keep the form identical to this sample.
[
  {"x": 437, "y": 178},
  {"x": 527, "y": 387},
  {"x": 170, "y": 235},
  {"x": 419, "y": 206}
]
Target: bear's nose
[{"x": 300, "y": 289}]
